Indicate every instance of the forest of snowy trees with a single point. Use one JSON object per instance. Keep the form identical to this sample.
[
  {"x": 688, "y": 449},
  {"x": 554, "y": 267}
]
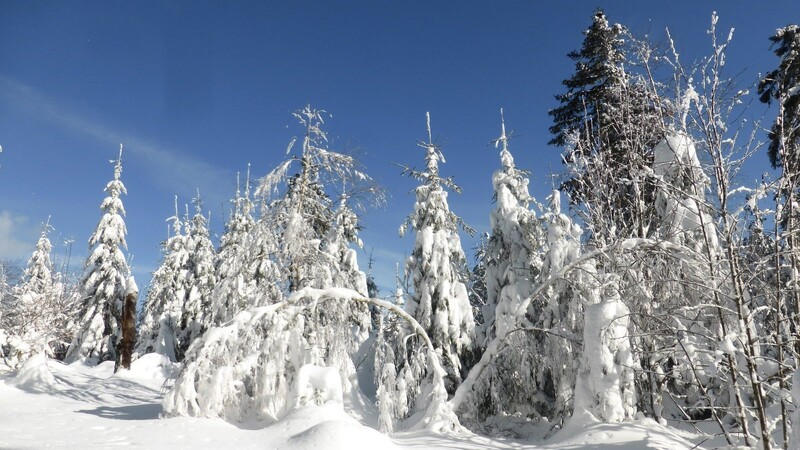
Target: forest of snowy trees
[{"x": 654, "y": 281}]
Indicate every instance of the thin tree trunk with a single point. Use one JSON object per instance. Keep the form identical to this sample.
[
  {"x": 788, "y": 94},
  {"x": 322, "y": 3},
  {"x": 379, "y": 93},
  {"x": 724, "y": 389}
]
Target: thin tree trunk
[
  {"x": 779, "y": 326},
  {"x": 749, "y": 346},
  {"x": 128, "y": 331}
]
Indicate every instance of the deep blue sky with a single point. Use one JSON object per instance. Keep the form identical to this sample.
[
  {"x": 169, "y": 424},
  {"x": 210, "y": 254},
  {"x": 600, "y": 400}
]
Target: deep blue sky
[{"x": 196, "y": 90}]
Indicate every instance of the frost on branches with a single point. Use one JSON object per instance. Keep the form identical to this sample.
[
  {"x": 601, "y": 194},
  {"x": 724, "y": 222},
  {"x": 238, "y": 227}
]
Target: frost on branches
[{"x": 104, "y": 282}]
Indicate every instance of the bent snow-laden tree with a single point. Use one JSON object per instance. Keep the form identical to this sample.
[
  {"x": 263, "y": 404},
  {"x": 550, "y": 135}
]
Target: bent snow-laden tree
[
  {"x": 265, "y": 384},
  {"x": 246, "y": 368},
  {"x": 104, "y": 282},
  {"x": 305, "y": 236}
]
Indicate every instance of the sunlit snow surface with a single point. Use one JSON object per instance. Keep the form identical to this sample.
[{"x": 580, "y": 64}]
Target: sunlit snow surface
[{"x": 46, "y": 404}]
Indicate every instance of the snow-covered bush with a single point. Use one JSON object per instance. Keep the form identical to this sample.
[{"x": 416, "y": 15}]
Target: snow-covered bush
[{"x": 38, "y": 309}]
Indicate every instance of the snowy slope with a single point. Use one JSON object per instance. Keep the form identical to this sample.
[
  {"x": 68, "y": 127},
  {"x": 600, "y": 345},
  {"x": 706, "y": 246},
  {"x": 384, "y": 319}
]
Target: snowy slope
[{"x": 49, "y": 404}]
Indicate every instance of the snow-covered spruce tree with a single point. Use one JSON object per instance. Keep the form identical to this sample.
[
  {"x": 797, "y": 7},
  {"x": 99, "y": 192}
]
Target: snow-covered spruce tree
[
  {"x": 248, "y": 368},
  {"x": 195, "y": 316},
  {"x": 163, "y": 308},
  {"x": 342, "y": 234},
  {"x": 567, "y": 282},
  {"x": 33, "y": 294},
  {"x": 516, "y": 237},
  {"x": 392, "y": 390},
  {"x": 512, "y": 261},
  {"x": 104, "y": 281},
  {"x": 387, "y": 393},
  {"x": 10, "y": 276},
  {"x": 607, "y": 122},
  {"x": 552, "y": 319},
  {"x": 178, "y": 306},
  {"x": 233, "y": 291},
  {"x": 373, "y": 291},
  {"x": 437, "y": 269},
  {"x": 593, "y": 90},
  {"x": 782, "y": 85},
  {"x": 5, "y": 307},
  {"x": 477, "y": 290}
]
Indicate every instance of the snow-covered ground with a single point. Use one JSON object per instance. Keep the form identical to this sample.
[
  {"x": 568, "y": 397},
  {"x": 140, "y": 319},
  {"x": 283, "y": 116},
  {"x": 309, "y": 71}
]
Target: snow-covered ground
[{"x": 47, "y": 404}]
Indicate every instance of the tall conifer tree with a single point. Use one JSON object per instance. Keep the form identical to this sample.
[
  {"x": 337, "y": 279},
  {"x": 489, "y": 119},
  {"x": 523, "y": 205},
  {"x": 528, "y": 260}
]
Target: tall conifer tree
[
  {"x": 607, "y": 122},
  {"x": 437, "y": 269},
  {"x": 105, "y": 280}
]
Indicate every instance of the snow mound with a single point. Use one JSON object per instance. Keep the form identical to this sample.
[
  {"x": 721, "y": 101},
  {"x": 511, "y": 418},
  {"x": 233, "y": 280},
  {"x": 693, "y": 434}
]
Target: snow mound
[
  {"x": 583, "y": 430},
  {"x": 152, "y": 366},
  {"x": 326, "y": 427},
  {"x": 34, "y": 375},
  {"x": 338, "y": 434},
  {"x": 317, "y": 382}
]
